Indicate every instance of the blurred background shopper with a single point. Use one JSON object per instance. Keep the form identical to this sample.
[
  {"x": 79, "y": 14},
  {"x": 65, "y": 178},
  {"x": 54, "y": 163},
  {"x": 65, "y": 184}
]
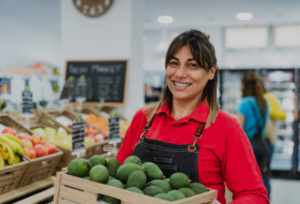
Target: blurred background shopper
[{"x": 253, "y": 113}]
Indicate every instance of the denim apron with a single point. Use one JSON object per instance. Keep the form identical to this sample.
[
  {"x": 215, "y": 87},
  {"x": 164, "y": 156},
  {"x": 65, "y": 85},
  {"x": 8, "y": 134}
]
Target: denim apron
[{"x": 170, "y": 158}]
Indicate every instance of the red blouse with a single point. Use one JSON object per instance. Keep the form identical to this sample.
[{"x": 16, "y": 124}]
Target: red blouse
[{"x": 225, "y": 155}]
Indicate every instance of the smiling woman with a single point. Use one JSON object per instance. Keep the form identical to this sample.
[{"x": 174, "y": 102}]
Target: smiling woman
[{"x": 186, "y": 132}]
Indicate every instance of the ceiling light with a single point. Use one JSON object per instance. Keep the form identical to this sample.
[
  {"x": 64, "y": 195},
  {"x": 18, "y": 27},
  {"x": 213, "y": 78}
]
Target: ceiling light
[
  {"x": 165, "y": 19},
  {"x": 244, "y": 16}
]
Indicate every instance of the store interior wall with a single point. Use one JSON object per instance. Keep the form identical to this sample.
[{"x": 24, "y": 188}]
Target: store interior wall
[{"x": 30, "y": 31}]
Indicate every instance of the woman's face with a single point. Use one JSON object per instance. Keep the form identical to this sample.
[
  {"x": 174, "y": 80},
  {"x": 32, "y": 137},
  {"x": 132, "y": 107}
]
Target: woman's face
[{"x": 185, "y": 78}]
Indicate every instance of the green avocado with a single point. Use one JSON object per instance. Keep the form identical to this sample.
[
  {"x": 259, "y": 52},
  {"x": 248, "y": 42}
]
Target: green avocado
[
  {"x": 112, "y": 166},
  {"x": 179, "y": 180},
  {"x": 98, "y": 160},
  {"x": 198, "y": 188},
  {"x": 152, "y": 171},
  {"x": 133, "y": 159},
  {"x": 137, "y": 179},
  {"x": 125, "y": 170},
  {"x": 99, "y": 173},
  {"x": 176, "y": 195},
  {"x": 136, "y": 190},
  {"x": 115, "y": 183},
  {"x": 152, "y": 190},
  {"x": 164, "y": 185},
  {"x": 78, "y": 167},
  {"x": 187, "y": 192},
  {"x": 164, "y": 196}
]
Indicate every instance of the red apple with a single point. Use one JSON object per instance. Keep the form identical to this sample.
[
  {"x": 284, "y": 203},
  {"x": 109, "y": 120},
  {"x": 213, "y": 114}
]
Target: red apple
[
  {"x": 37, "y": 139},
  {"x": 10, "y": 131},
  {"x": 41, "y": 150},
  {"x": 26, "y": 143},
  {"x": 24, "y": 135},
  {"x": 51, "y": 147},
  {"x": 29, "y": 152}
]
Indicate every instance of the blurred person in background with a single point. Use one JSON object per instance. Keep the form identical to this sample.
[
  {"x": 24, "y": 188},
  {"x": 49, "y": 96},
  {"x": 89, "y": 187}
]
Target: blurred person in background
[
  {"x": 276, "y": 113},
  {"x": 252, "y": 114}
]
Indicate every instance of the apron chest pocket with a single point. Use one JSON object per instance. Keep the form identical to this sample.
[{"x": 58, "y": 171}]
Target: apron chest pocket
[{"x": 163, "y": 161}]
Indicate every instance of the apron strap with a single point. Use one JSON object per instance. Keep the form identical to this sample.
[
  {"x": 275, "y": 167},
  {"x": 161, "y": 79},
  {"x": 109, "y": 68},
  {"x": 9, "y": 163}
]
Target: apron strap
[{"x": 197, "y": 136}]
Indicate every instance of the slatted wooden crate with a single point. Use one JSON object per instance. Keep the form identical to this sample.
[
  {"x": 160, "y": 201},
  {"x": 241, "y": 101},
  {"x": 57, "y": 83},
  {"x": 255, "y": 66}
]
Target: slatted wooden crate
[
  {"x": 47, "y": 119},
  {"x": 10, "y": 176},
  {"x": 80, "y": 191}
]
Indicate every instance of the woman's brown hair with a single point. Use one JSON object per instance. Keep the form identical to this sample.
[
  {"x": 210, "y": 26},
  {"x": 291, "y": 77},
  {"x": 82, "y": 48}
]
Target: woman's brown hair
[
  {"x": 204, "y": 53},
  {"x": 253, "y": 86}
]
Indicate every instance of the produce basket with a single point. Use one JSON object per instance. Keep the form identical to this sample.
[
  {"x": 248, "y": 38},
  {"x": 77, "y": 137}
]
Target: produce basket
[
  {"x": 10, "y": 176},
  {"x": 93, "y": 149},
  {"x": 17, "y": 115},
  {"x": 36, "y": 169},
  {"x": 41, "y": 168},
  {"x": 70, "y": 189}
]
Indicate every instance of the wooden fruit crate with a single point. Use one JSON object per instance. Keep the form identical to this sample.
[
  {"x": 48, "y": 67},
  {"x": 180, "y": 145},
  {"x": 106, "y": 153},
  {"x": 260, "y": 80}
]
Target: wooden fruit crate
[
  {"x": 17, "y": 115},
  {"x": 91, "y": 150},
  {"x": 10, "y": 176},
  {"x": 40, "y": 168},
  {"x": 80, "y": 191}
]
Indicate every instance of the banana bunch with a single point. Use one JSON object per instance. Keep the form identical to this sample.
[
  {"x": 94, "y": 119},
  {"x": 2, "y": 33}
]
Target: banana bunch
[{"x": 11, "y": 150}]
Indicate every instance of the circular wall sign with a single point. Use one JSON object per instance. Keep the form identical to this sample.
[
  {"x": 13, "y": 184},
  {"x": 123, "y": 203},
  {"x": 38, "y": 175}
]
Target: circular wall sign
[{"x": 93, "y": 8}]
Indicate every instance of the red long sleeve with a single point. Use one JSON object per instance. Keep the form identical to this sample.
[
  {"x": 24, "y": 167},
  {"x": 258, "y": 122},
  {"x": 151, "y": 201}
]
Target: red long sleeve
[
  {"x": 240, "y": 170},
  {"x": 225, "y": 154}
]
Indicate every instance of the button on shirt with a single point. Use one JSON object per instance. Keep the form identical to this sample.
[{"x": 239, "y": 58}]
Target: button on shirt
[{"x": 225, "y": 154}]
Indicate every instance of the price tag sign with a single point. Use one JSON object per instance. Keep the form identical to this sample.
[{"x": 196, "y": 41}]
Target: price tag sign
[
  {"x": 78, "y": 133},
  {"x": 27, "y": 104},
  {"x": 81, "y": 89},
  {"x": 114, "y": 135},
  {"x": 68, "y": 89}
]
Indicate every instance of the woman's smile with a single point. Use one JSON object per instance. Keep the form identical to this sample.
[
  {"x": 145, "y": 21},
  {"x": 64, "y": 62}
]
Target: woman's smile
[{"x": 180, "y": 86}]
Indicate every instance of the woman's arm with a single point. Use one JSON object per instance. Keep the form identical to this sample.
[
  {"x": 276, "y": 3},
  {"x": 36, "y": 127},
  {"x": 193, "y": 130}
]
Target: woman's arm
[{"x": 240, "y": 170}]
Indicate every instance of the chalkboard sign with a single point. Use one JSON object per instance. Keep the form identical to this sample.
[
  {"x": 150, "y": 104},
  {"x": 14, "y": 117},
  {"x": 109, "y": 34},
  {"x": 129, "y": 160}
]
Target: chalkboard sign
[
  {"x": 105, "y": 80},
  {"x": 27, "y": 104},
  {"x": 78, "y": 133},
  {"x": 114, "y": 135},
  {"x": 68, "y": 89}
]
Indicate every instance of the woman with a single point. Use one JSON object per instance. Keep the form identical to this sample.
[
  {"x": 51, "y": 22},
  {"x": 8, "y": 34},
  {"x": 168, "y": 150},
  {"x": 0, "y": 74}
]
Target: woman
[
  {"x": 186, "y": 132},
  {"x": 253, "y": 114}
]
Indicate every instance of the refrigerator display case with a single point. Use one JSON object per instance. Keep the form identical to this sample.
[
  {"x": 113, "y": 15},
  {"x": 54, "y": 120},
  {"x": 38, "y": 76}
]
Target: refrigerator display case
[
  {"x": 281, "y": 83},
  {"x": 231, "y": 89}
]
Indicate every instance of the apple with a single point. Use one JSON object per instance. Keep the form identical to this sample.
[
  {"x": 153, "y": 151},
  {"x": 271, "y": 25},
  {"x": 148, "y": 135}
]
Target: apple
[
  {"x": 29, "y": 152},
  {"x": 26, "y": 143},
  {"x": 37, "y": 139},
  {"x": 51, "y": 147},
  {"x": 41, "y": 150},
  {"x": 24, "y": 135},
  {"x": 10, "y": 131}
]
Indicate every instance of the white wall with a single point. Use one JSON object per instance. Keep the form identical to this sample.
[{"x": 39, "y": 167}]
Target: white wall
[
  {"x": 29, "y": 32},
  {"x": 115, "y": 35}
]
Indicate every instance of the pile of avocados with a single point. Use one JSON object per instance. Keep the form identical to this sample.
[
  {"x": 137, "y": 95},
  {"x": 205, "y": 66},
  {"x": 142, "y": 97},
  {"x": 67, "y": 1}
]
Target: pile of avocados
[{"x": 146, "y": 178}]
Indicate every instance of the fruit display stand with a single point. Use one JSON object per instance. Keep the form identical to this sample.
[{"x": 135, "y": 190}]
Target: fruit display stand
[
  {"x": 36, "y": 169},
  {"x": 71, "y": 189},
  {"x": 91, "y": 150},
  {"x": 10, "y": 176}
]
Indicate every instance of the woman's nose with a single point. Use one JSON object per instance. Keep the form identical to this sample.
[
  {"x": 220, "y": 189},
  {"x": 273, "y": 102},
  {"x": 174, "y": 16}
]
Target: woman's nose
[{"x": 181, "y": 72}]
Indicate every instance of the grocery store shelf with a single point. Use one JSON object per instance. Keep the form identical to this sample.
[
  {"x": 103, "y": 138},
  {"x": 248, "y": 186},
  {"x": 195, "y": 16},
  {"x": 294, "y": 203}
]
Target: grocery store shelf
[
  {"x": 271, "y": 85},
  {"x": 283, "y": 132},
  {"x": 284, "y": 94}
]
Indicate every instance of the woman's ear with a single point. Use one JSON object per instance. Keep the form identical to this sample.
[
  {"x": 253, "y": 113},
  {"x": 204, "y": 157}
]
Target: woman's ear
[{"x": 212, "y": 72}]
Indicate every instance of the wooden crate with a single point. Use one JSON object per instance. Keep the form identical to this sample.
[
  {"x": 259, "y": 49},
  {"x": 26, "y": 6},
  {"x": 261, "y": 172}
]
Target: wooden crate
[
  {"x": 81, "y": 191},
  {"x": 17, "y": 115},
  {"x": 48, "y": 120},
  {"x": 40, "y": 168},
  {"x": 10, "y": 176}
]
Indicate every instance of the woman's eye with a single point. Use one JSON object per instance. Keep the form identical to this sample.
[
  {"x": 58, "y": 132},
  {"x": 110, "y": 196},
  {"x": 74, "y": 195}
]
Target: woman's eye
[
  {"x": 173, "y": 63},
  {"x": 193, "y": 65}
]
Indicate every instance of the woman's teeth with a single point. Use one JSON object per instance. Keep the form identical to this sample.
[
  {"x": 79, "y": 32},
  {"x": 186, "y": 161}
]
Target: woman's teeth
[{"x": 182, "y": 85}]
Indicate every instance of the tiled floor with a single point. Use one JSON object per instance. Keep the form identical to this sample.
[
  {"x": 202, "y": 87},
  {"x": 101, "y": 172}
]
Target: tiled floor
[{"x": 283, "y": 192}]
